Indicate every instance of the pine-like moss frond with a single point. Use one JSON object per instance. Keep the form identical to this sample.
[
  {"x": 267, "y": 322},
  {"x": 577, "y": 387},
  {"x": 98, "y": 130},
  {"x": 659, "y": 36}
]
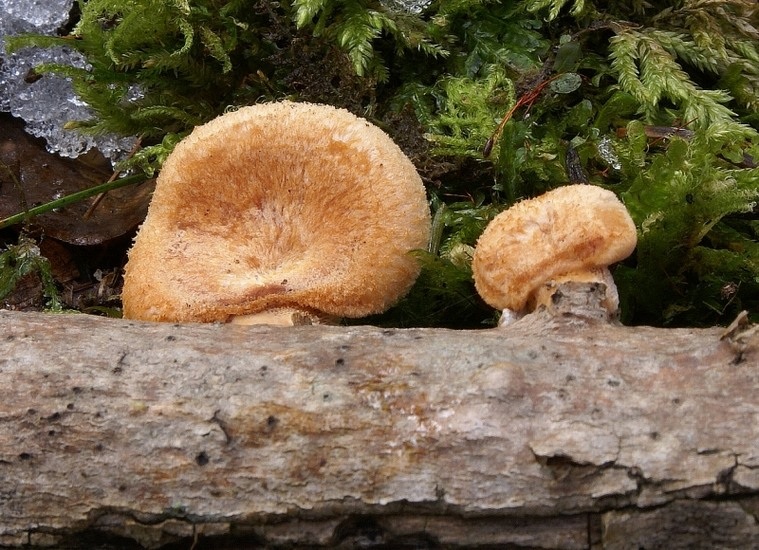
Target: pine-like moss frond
[
  {"x": 555, "y": 6},
  {"x": 357, "y": 25},
  {"x": 650, "y": 73}
]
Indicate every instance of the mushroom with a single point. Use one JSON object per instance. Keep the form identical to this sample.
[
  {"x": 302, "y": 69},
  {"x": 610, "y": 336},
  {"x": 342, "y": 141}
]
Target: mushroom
[
  {"x": 275, "y": 213},
  {"x": 572, "y": 233}
]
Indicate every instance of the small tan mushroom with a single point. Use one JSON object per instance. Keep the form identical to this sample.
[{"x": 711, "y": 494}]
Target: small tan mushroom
[
  {"x": 572, "y": 233},
  {"x": 303, "y": 210}
]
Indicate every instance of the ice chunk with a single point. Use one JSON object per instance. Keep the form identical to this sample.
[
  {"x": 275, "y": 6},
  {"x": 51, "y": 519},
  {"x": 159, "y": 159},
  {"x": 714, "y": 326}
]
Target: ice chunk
[
  {"x": 42, "y": 16},
  {"x": 411, "y": 6},
  {"x": 606, "y": 151},
  {"x": 49, "y": 102}
]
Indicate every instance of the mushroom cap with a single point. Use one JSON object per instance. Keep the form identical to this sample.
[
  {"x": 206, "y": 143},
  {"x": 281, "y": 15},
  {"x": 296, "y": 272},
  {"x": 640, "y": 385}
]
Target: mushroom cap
[
  {"x": 278, "y": 205},
  {"x": 574, "y": 228}
]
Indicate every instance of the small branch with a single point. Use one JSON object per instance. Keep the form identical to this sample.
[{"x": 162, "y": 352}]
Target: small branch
[{"x": 116, "y": 173}]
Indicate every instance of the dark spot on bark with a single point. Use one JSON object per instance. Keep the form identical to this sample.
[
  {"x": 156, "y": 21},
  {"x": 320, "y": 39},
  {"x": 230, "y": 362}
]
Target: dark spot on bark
[
  {"x": 117, "y": 370},
  {"x": 676, "y": 401},
  {"x": 326, "y": 397},
  {"x": 201, "y": 459},
  {"x": 70, "y": 407},
  {"x": 122, "y": 488},
  {"x": 24, "y": 456},
  {"x": 725, "y": 477},
  {"x": 76, "y": 389},
  {"x": 557, "y": 460},
  {"x": 222, "y": 426},
  {"x": 99, "y": 447},
  {"x": 654, "y": 435},
  {"x": 55, "y": 416},
  {"x": 388, "y": 332},
  {"x": 708, "y": 451},
  {"x": 31, "y": 411},
  {"x": 263, "y": 370},
  {"x": 171, "y": 338},
  {"x": 613, "y": 383},
  {"x": 272, "y": 422},
  {"x": 339, "y": 362},
  {"x": 51, "y": 433}
]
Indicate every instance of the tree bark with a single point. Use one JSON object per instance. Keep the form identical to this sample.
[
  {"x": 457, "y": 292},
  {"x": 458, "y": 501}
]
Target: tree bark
[{"x": 559, "y": 431}]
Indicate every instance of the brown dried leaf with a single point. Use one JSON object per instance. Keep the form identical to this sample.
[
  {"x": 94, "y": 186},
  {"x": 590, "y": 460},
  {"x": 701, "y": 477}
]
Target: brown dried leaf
[{"x": 30, "y": 176}]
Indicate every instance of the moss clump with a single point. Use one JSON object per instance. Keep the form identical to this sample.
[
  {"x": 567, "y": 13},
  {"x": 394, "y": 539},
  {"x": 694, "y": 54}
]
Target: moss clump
[{"x": 23, "y": 261}]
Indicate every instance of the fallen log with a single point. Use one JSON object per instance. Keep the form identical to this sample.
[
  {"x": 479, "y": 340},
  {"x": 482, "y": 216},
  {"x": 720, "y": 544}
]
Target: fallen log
[{"x": 559, "y": 431}]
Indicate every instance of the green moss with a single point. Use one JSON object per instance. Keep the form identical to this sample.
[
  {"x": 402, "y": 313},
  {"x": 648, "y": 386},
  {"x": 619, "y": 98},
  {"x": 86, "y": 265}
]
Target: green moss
[
  {"x": 24, "y": 260},
  {"x": 683, "y": 200}
]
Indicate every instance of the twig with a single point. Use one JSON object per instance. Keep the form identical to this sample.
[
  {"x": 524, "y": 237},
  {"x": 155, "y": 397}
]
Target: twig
[
  {"x": 113, "y": 177},
  {"x": 526, "y": 99}
]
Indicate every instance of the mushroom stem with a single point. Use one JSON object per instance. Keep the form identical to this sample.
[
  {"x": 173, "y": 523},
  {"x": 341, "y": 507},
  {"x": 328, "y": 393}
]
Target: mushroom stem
[
  {"x": 508, "y": 317},
  {"x": 569, "y": 291},
  {"x": 545, "y": 293},
  {"x": 284, "y": 317}
]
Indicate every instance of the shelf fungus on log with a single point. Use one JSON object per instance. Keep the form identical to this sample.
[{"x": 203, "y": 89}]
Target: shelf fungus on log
[
  {"x": 568, "y": 235},
  {"x": 278, "y": 212}
]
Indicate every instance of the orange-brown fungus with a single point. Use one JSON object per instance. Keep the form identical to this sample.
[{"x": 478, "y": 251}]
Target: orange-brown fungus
[
  {"x": 571, "y": 233},
  {"x": 278, "y": 206}
]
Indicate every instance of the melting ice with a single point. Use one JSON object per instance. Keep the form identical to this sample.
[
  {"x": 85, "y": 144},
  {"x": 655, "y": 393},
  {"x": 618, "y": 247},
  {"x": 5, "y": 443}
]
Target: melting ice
[
  {"x": 47, "y": 103},
  {"x": 411, "y": 6}
]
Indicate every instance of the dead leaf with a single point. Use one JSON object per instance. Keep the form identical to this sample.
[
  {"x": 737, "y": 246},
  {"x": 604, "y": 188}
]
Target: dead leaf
[{"x": 30, "y": 176}]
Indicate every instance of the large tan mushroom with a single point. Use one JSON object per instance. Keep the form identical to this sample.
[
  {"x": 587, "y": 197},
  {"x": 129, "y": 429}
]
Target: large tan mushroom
[
  {"x": 572, "y": 233},
  {"x": 301, "y": 209}
]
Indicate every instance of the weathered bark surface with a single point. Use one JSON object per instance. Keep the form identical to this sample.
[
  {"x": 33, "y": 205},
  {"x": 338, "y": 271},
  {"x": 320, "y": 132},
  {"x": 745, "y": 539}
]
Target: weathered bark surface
[{"x": 551, "y": 433}]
